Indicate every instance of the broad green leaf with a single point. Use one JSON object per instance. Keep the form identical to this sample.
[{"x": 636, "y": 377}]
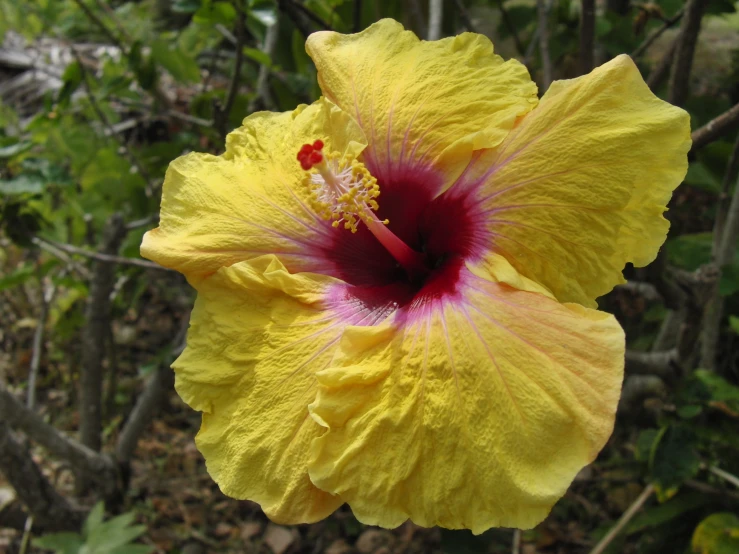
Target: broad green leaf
[
  {"x": 25, "y": 183},
  {"x": 258, "y": 56},
  {"x": 729, "y": 283},
  {"x": 266, "y": 17},
  {"x": 17, "y": 277},
  {"x": 699, "y": 176},
  {"x": 94, "y": 519},
  {"x": 734, "y": 323},
  {"x": 14, "y": 149},
  {"x": 663, "y": 513},
  {"x": 186, "y": 6},
  {"x": 717, "y": 534},
  {"x": 211, "y": 13},
  {"x": 179, "y": 64},
  {"x": 674, "y": 460},
  {"x": 690, "y": 251},
  {"x": 62, "y": 543}
]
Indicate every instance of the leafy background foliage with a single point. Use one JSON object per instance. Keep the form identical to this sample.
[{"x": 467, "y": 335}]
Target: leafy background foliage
[{"x": 123, "y": 87}]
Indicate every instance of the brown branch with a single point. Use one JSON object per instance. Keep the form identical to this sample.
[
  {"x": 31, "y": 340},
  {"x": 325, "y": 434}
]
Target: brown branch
[
  {"x": 47, "y": 294},
  {"x": 645, "y": 290},
  {"x": 263, "y": 95},
  {"x": 156, "y": 389},
  {"x": 715, "y": 128},
  {"x": 287, "y": 7},
  {"x": 315, "y": 18},
  {"x": 690, "y": 26},
  {"x": 587, "y": 36},
  {"x": 623, "y": 520},
  {"x": 222, "y": 115},
  {"x": 508, "y": 22},
  {"x": 660, "y": 72},
  {"x": 45, "y": 504},
  {"x": 542, "y": 10},
  {"x": 102, "y": 257},
  {"x": 651, "y": 363},
  {"x": 97, "y": 317},
  {"x": 464, "y": 15},
  {"x": 436, "y": 18},
  {"x": 656, "y": 34},
  {"x": 98, "y": 466}
]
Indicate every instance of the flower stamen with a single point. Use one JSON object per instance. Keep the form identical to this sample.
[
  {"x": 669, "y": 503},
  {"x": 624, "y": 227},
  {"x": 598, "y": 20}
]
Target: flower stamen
[{"x": 346, "y": 193}]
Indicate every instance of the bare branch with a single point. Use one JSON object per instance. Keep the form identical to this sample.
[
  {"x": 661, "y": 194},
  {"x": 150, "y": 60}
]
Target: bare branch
[
  {"x": 587, "y": 36},
  {"x": 72, "y": 264},
  {"x": 656, "y": 34},
  {"x": 645, "y": 290},
  {"x": 715, "y": 128},
  {"x": 102, "y": 257},
  {"x": 156, "y": 388},
  {"x": 690, "y": 26},
  {"x": 508, "y": 22},
  {"x": 722, "y": 244},
  {"x": 623, "y": 520},
  {"x": 651, "y": 363},
  {"x": 263, "y": 95},
  {"x": 46, "y": 505},
  {"x": 47, "y": 294},
  {"x": 221, "y": 121},
  {"x": 436, "y": 17},
  {"x": 97, "y": 316},
  {"x": 542, "y": 9},
  {"x": 660, "y": 72},
  {"x": 98, "y": 466}
]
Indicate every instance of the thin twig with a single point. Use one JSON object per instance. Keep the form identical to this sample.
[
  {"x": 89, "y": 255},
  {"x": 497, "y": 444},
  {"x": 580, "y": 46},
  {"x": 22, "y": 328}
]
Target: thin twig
[
  {"x": 108, "y": 258},
  {"x": 144, "y": 222},
  {"x": 625, "y": 518},
  {"x": 510, "y": 25},
  {"x": 130, "y": 154},
  {"x": 725, "y": 475},
  {"x": 646, "y": 290},
  {"x": 263, "y": 95},
  {"x": 221, "y": 121},
  {"x": 357, "y": 16},
  {"x": 714, "y": 309},
  {"x": 315, "y": 18},
  {"x": 516, "y": 546},
  {"x": 47, "y": 294},
  {"x": 103, "y": 27},
  {"x": 542, "y": 10},
  {"x": 587, "y": 36},
  {"x": 647, "y": 42},
  {"x": 715, "y": 128},
  {"x": 659, "y": 72},
  {"x": 56, "y": 252},
  {"x": 651, "y": 363},
  {"x": 13, "y": 412},
  {"x": 436, "y": 17},
  {"x": 690, "y": 26},
  {"x": 47, "y": 506}
]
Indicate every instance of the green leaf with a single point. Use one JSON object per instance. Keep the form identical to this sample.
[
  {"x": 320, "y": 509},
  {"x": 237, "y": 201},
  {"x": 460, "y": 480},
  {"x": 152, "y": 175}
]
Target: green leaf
[
  {"x": 94, "y": 519},
  {"x": 266, "y": 17},
  {"x": 133, "y": 549},
  {"x": 674, "y": 460},
  {"x": 180, "y": 65},
  {"x": 663, "y": 513},
  {"x": 17, "y": 277},
  {"x": 186, "y": 6},
  {"x": 71, "y": 79},
  {"x": 258, "y": 56},
  {"x": 25, "y": 183},
  {"x": 717, "y": 534},
  {"x": 645, "y": 443},
  {"x": 211, "y": 13},
  {"x": 690, "y": 411},
  {"x": 62, "y": 543},
  {"x": 729, "y": 283},
  {"x": 690, "y": 251},
  {"x": 14, "y": 149},
  {"x": 734, "y": 323},
  {"x": 700, "y": 177},
  {"x": 719, "y": 388}
]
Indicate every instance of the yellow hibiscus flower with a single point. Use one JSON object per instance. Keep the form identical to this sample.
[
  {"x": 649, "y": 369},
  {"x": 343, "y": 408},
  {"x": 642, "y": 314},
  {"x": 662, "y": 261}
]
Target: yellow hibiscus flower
[{"x": 396, "y": 283}]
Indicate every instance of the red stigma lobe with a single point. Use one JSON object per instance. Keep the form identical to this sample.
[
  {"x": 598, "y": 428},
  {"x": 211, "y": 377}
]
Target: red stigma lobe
[{"x": 310, "y": 155}]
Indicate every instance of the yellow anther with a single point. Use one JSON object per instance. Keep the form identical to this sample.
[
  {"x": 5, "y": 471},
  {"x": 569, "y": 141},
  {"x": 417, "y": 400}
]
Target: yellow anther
[{"x": 344, "y": 193}]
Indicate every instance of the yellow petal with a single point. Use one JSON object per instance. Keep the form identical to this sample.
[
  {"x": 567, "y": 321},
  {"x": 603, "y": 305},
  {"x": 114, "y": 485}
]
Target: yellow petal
[
  {"x": 218, "y": 210},
  {"x": 257, "y": 336},
  {"x": 424, "y": 106},
  {"x": 475, "y": 415},
  {"x": 578, "y": 188}
]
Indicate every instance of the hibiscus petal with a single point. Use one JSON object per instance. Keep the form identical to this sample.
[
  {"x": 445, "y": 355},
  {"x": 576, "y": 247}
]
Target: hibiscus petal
[
  {"x": 424, "y": 106},
  {"x": 477, "y": 413},
  {"x": 578, "y": 188},
  {"x": 218, "y": 210},
  {"x": 257, "y": 336}
]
